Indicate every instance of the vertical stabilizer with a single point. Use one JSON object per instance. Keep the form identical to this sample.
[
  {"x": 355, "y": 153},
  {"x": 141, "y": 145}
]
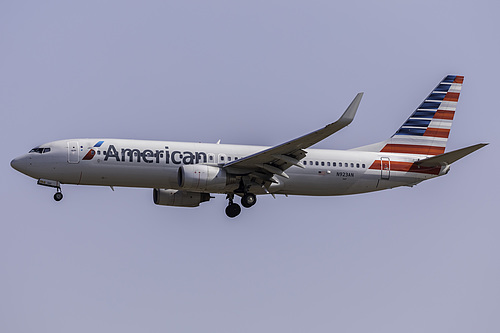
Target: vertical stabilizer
[{"x": 426, "y": 131}]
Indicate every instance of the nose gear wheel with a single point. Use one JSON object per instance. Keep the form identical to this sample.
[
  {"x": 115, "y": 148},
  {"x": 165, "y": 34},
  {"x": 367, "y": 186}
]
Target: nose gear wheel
[{"x": 58, "y": 195}]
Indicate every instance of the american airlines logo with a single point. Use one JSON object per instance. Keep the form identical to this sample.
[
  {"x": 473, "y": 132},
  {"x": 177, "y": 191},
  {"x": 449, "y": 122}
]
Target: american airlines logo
[
  {"x": 149, "y": 156},
  {"x": 91, "y": 153}
]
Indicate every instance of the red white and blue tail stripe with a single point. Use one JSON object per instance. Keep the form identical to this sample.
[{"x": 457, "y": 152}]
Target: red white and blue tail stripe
[{"x": 426, "y": 131}]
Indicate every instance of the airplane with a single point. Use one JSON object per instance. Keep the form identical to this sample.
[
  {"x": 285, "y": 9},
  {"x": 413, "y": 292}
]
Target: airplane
[{"x": 185, "y": 174}]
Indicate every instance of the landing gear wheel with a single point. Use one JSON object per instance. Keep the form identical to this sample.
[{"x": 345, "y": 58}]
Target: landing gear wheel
[
  {"x": 233, "y": 210},
  {"x": 248, "y": 200},
  {"x": 58, "y": 196}
]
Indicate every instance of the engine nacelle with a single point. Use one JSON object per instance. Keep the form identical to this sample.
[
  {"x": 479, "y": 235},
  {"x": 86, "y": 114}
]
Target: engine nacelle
[
  {"x": 179, "y": 198},
  {"x": 201, "y": 177}
]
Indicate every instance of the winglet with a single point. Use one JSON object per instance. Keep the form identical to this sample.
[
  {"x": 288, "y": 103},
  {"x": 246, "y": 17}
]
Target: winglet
[
  {"x": 347, "y": 117},
  {"x": 351, "y": 110}
]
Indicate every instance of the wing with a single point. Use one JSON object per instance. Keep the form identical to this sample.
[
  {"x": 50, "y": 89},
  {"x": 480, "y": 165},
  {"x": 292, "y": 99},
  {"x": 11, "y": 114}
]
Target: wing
[{"x": 274, "y": 161}]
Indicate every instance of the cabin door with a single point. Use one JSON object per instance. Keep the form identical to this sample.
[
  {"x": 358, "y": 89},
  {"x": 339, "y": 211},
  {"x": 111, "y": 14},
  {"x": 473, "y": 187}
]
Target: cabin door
[{"x": 73, "y": 152}]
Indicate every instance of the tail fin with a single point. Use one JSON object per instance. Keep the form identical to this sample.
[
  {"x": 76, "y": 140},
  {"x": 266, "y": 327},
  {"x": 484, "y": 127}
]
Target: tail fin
[{"x": 426, "y": 131}]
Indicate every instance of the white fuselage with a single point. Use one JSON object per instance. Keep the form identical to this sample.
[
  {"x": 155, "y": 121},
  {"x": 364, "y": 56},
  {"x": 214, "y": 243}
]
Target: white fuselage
[{"x": 155, "y": 164}]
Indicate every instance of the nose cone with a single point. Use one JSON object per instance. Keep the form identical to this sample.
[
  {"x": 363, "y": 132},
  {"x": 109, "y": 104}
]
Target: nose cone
[{"x": 20, "y": 164}]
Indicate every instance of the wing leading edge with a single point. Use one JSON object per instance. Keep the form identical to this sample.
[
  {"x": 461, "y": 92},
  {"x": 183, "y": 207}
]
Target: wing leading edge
[{"x": 275, "y": 160}]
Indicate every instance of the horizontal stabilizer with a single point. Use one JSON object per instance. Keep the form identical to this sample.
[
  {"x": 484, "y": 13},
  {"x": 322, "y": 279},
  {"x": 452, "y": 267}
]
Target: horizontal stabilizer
[{"x": 449, "y": 158}]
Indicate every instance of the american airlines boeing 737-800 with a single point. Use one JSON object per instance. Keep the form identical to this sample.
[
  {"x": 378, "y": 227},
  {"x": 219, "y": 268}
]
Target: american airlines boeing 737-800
[{"x": 186, "y": 174}]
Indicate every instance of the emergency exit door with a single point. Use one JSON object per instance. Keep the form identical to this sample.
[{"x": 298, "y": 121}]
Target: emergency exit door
[{"x": 385, "y": 166}]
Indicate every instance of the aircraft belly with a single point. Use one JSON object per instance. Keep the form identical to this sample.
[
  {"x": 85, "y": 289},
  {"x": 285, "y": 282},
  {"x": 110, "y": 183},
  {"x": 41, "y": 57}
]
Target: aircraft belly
[{"x": 335, "y": 183}]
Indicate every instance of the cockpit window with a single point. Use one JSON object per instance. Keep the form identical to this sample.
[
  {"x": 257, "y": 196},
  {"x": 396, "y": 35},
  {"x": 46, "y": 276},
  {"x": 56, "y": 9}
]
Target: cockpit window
[{"x": 40, "y": 150}]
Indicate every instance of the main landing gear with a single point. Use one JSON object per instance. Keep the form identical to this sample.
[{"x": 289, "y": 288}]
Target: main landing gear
[
  {"x": 232, "y": 209},
  {"x": 247, "y": 201}
]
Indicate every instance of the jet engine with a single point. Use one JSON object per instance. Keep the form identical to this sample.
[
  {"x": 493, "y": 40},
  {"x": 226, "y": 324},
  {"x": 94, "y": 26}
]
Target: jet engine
[
  {"x": 179, "y": 198},
  {"x": 201, "y": 177}
]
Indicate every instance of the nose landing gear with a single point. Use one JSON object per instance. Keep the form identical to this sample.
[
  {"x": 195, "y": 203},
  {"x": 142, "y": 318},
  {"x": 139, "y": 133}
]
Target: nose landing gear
[
  {"x": 58, "y": 195},
  {"x": 54, "y": 184}
]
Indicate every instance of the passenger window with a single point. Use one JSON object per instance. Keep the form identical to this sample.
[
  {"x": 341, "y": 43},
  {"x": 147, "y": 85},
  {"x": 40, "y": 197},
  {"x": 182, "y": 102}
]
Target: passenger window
[
  {"x": 235, "y": 158},
  {"x": 311, "y": 163},
  {"x": 322, "y": 163},
  {"x": 334, "y": 164},
  {"x": 328, "y": 163},
  {"x": 357, "y": 165},
  {"x": 352, "y": 165},
  {"x": 363, "y": 166},
  {"x": 98, "y": 152},
  {"x": 211, "y": 158},
  {"x": 317, "y": 163},
  {"x": 229, "y": 158},
  {"x": 222, "y": 158}
]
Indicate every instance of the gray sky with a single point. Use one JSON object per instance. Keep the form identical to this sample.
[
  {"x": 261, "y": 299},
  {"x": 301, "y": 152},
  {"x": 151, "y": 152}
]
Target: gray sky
[{"x": 423, "y": 259}]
